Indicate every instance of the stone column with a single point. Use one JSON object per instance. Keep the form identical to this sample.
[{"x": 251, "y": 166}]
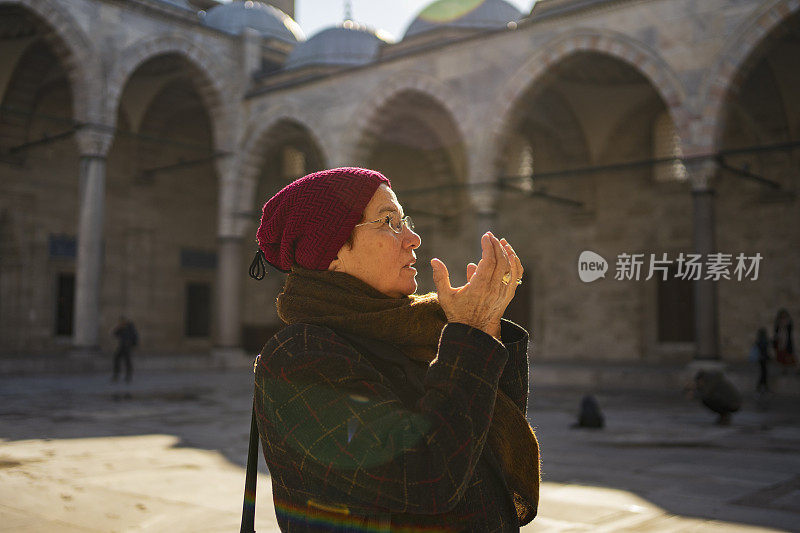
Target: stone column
[
  {"x": 231, "y": 272},
  {"x": 484, "y": 198},
  {"x": 482, "y": 174},
  {"x": 705, "y": 291},
  {"x": 93, "y": 143},
  {"x": 251, "y": 51},
  {"x": 484, "y": 194}
]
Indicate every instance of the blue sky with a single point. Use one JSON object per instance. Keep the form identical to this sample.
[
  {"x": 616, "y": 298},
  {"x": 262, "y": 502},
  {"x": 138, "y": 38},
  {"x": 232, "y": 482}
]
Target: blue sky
[{"x": 392, "y": 16}]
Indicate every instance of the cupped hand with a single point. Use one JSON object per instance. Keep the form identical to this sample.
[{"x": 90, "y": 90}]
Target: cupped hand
[{"x": 482, "y": 301}]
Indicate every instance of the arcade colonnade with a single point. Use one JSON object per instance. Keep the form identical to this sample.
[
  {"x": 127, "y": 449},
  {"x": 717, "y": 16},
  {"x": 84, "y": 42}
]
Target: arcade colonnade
[{"x": 467, "y": 112}]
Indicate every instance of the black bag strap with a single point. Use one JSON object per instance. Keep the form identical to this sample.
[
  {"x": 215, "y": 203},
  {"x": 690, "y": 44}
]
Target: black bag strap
[{"x": 249, "y": 505}]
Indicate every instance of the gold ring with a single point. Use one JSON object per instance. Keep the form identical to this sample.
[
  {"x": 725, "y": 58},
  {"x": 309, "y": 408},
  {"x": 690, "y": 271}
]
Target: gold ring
[{"x": 507, "y": 278}]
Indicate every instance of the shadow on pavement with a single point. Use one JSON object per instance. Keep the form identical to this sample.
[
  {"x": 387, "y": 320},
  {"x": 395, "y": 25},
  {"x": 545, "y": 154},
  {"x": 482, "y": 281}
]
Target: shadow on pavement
[{"x": 660, "y": 447}]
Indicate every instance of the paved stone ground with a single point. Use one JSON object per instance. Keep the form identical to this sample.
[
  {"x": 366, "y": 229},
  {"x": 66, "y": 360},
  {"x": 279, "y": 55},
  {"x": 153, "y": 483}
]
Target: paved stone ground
[{"x": 167, "y": 453}]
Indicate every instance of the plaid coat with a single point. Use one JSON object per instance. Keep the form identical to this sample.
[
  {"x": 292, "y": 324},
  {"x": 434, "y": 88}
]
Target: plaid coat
[{"x": 352, "y": 445}]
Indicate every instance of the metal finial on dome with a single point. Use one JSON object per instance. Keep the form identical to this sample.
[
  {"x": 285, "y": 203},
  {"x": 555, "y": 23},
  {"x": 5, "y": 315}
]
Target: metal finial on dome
[{"x": 348, "y": 10}]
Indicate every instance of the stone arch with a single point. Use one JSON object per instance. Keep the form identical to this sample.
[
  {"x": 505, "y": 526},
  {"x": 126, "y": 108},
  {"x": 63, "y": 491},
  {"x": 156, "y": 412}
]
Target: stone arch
[
  {"x": 356, "y": 144},
  {"x": 618, "y": 46},
  {"x": 728, "y": 71},
  {"x": 206, "y": 76},
  {"x": 414, "y": 128},
  {"x": 74, "y": 49},
  {"x": 269, "y": 126},
  {"x": 414, "y": 131},
  {"x": 260, "y": 132}
]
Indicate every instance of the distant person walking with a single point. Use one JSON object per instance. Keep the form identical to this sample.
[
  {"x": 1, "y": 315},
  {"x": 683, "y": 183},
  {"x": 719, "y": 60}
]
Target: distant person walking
[
  {"x": 762, "y": 349},
  {"x": 127, "y": 338},
  {"x": 782, "y": 341}
]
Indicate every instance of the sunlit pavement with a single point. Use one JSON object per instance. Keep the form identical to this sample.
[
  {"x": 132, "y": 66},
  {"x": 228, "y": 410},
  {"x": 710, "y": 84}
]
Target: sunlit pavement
[{"x": 167, "y": 453}]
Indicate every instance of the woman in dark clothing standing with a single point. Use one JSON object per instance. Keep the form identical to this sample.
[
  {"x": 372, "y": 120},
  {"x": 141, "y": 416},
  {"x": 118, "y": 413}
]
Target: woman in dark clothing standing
[
  {"x": 127, "y": 338},
  {"x": 762, "y": 345},
  {"x": 379, "y": 409},
  {"x": 782, "y": 341}
]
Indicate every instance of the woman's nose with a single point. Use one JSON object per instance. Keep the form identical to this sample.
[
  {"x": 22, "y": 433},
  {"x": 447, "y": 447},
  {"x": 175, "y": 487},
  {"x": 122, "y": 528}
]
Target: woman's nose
[{"x": 411, "y": 238}]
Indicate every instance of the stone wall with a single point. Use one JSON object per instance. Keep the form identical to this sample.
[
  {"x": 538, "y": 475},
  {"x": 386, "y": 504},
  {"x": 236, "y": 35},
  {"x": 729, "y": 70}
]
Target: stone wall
[{"x": 584, "y": 88}]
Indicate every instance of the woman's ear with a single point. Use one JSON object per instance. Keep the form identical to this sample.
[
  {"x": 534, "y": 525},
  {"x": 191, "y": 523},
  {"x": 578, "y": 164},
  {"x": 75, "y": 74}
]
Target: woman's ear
[{"x": 338, "y": 264}]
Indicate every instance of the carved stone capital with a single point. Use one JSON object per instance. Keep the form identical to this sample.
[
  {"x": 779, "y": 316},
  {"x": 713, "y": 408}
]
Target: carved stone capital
[{"x": 94, "y": 141}]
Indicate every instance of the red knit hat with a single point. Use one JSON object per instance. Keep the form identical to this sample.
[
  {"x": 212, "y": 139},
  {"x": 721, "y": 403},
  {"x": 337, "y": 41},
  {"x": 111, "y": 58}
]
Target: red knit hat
[{"x": 309, "y": 220}]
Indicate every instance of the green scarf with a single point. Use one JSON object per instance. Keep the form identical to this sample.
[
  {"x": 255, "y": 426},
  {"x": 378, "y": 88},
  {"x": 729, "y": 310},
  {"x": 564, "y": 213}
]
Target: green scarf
[{"x": 413, "y": 324}]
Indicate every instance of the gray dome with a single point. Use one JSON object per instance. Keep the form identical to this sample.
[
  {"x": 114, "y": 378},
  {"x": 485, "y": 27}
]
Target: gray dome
[
  {"x": 235, "y": 16},
  {"x": 348, "y": 45},
  {"x": 472, "y": 14}
]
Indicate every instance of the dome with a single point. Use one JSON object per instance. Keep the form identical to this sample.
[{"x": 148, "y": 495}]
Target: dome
[
  {"x": 269, "y": 21},
  {"x": 472, "y": 14},
  {"x": 350, "y": 44}
]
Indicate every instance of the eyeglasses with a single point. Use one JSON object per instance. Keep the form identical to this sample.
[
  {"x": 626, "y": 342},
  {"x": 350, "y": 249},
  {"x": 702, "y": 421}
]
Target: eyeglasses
[{"x": 396, "y": 225}]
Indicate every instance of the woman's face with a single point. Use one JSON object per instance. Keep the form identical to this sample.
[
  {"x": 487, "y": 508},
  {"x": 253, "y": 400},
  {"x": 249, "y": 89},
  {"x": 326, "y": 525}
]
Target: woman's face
[{"x": 380, "y": 257}]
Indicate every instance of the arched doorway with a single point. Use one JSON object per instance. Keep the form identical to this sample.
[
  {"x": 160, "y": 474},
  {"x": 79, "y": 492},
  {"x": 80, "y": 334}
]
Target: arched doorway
[
  {"x": 587, "y": 162},
  {"x": 416, "y": 143},
  {"x": 757, "y": 206},
  {"x": 38, "y": 184},
  {"x": 285, "y": 152},
  {"x": 162, "y": 208}
]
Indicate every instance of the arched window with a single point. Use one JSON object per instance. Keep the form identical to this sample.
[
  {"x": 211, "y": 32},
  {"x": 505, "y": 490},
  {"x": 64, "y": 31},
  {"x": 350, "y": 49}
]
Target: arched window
[
  {"x": 294, "y": 163},
  {"x": 520, "y": 163}
]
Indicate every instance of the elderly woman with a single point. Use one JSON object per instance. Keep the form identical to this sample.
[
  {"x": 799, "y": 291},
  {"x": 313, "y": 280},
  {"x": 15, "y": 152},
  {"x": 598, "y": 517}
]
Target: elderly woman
[{"x": 379, "y": 409}]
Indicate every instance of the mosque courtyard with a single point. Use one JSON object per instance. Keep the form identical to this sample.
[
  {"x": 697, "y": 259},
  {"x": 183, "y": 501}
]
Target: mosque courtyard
[{"x": 167, "y": 453}]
